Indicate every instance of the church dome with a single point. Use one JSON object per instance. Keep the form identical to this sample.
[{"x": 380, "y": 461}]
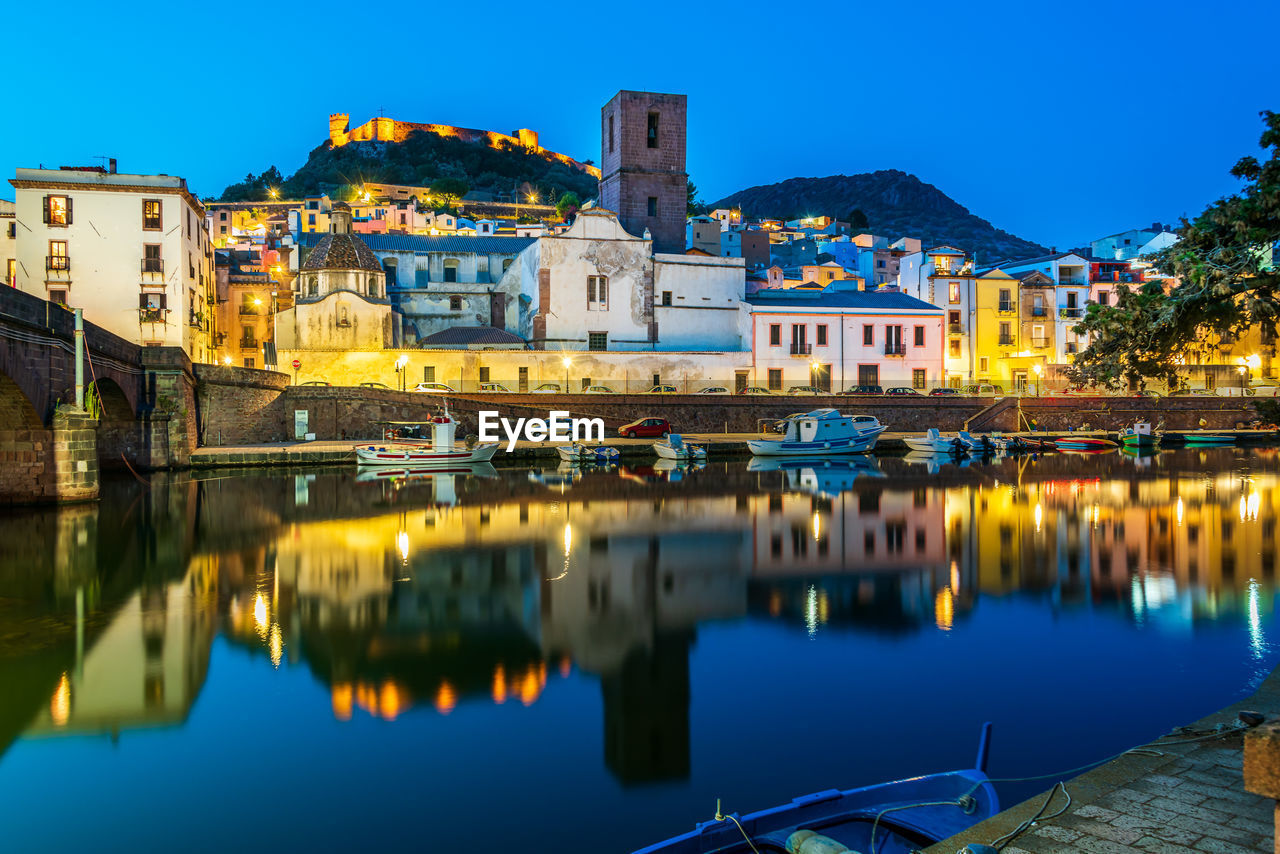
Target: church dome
[{"x": 342, "y": 252}]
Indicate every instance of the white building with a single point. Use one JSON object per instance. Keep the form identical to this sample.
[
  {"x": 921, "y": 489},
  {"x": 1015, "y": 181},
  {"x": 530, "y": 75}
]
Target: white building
[
  {"x": 942, "y": 276},
  {"x": 1070, "y": 275},
  {"x": 596, "y": 287},
  {"x": 8, "y": 244},
  {"x": 840, "y": 337},
  {"x": 133, "y": 251},
  {"x": 1134, "y": 243}
]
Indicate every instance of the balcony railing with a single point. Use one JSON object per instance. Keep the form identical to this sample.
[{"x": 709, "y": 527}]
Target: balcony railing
[
  {"x": 1007, "y": 341},
  {"x": 151, "y": 315},
  {"x": 1071, "y": 312},
  {"x": 955, "y": 328},
  {"x": 57, "y": 262},
  {"x": 1037, "y": 311},
  {"x": 248, "y": 344},
  {"x": 152, "y": 265},
  {"x": 800, "y": 348},
  {"x": 895, "y": 349},
  {"x": 1039, "y": 342},
  {"x": 249, "y": 309},
  {"x": 1006, "y": 308}
]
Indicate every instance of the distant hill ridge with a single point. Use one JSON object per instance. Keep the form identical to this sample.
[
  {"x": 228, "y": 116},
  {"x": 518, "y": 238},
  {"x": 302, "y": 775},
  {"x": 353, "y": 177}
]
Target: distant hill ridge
[{"x": 896, "y": 204}]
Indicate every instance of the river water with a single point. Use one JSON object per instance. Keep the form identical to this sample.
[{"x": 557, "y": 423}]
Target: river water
[{"x": 552, "y": 661}]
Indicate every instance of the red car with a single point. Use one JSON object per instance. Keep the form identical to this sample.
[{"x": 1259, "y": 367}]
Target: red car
[{"x": 648, "y": 427}]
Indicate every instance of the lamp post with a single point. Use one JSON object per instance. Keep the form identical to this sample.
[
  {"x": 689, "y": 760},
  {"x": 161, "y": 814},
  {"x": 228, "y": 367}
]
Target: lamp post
[
  {"x": 1036, "y": 368},
  {"x": 401, "y": 363},
  {"x": 567, "y": 362}
]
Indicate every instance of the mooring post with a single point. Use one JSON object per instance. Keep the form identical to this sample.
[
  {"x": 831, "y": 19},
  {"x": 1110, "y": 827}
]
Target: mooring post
[{"x": 80, "y": 358}]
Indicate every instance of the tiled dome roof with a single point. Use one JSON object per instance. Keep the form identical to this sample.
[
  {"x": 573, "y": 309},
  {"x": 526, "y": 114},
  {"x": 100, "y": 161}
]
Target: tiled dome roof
[{"x": 342, "y": 252}]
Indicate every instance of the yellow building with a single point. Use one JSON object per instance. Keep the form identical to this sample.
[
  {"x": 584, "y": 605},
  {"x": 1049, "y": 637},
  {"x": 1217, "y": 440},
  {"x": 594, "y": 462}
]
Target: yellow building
[{"x": 1003, "y": 355}]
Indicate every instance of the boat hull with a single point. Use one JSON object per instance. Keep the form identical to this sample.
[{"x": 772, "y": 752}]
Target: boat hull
[
  {"x": 421, "y": 456},
  {"x": 860, "y": 444},
  {"x": 1089, "y": 445},
  {"x": 688, "y": 452},
  {"x": 931, "y": 446}
]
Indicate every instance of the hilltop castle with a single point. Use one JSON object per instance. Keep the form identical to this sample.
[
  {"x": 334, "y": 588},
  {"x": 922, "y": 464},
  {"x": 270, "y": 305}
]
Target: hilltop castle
[{"x": 384, "y": 129}]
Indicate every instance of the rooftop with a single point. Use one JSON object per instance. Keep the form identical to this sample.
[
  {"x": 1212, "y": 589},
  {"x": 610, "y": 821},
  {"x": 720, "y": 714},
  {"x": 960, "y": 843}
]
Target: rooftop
[
  {"x": 432, "y": 243},
  {"x": 467, "y": 335},
  {"x": 800, "y": 299}
]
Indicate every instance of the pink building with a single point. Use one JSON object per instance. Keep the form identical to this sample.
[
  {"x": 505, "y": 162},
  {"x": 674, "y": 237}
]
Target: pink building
[{"x": 840, "y": 337}]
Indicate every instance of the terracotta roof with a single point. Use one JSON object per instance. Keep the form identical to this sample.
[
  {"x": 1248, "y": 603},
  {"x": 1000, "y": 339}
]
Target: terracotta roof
[{"x": 342, "y": 252}]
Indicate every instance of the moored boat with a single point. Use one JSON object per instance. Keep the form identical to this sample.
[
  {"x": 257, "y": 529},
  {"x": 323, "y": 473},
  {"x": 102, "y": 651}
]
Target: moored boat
[
  {"x": 887, "y": 818},
  {"x": 1140, "y": 435},
  {"x": 1089, "y": 444},
  {"x": 439, "y": 450},
  {"x": 578, "y": 453},
  {"x": 933, "y": 442},
  {"x": 821, "y": 432},
  {"x": 1208, "y": 439},
  {"x": 676, "y": 448}
]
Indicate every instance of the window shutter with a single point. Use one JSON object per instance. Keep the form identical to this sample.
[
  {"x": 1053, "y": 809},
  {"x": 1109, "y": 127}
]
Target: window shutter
[
  {"x": 591, "y": 289},
  {"x": 142, "y": 300},
  {"x": 68, "y": 210},
  {"x": 46, "y": 210},
  {"x": 604, "y": 290}
]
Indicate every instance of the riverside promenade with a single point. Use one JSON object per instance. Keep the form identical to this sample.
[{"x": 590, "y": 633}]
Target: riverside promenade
[{"x": 1173, "y": 796}]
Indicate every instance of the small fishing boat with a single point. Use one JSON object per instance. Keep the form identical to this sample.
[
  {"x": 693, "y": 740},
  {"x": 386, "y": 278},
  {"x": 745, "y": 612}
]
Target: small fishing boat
[
  {"x": 1087, "y": 444},
  {"x": 975, "y": 444},
  {"x": 934, "y": 442},
  {"x": 676, "y": 448},
  {"x": 1139, "y": 435},
  {"x": 887, "y": 818},
  {"x": 597, "y": 455},
  {"x": 820, "y": 433},
  {"x": 1211, "y": 439},
  {"x": 440, "y": 450}
]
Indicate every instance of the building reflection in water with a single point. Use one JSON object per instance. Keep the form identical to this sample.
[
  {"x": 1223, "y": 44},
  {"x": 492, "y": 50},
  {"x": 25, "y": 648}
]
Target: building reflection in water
[{"x": 432, "y": 595}]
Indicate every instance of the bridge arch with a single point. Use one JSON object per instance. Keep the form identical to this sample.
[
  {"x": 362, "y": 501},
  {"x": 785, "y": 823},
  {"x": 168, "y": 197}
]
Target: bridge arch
[{"x": 25, "y": 444}]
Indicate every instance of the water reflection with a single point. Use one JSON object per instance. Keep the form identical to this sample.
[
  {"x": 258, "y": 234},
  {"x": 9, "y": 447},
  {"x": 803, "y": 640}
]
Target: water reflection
[{"x": 445, "y": 594}]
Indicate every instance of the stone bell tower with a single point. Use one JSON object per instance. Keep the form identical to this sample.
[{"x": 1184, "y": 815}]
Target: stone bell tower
[{"x": 643, "y": 178}]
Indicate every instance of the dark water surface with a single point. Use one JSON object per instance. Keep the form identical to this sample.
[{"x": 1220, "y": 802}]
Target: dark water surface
[{"x": 280, "y": 661}]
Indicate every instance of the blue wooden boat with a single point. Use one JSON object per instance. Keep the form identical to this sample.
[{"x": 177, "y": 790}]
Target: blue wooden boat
[{"x": 887, "y": 818}]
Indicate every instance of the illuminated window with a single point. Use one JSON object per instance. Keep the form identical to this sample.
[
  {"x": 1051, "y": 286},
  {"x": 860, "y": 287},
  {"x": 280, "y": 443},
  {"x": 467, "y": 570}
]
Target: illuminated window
[
  {"x": 955, "y": 348},
  {"x": 151, "y": 214},
  {"x": 58, "y": 259},
  {"x": 57, "y": 210},
  {"x": 954, "y": 291},
  {"x": 11, "y": 273}
]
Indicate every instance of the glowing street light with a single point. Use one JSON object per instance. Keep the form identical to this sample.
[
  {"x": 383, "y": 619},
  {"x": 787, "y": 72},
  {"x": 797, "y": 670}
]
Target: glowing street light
[
  {"x": 567, "y": 362},
  {"x": 401, "y": 363},
  {"x": 1036, "y": 369}
]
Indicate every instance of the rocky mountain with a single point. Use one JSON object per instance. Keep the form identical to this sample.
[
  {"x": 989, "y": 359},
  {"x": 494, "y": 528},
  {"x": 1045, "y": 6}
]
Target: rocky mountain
[
  {"x": 895, "y": 203},
  {"x": 422, "y": 159}
]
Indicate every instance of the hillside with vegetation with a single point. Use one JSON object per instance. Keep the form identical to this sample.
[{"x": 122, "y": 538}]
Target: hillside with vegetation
[
  {"x": 889, "y": 202},
  {"x": 423, "y": 159}
]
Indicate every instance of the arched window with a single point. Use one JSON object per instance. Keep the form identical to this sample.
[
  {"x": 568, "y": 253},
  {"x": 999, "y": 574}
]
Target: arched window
[
  {"x": 313, "y": 287},
  {"x": 451, "y": 269},
  {"x": 373, "y": 286}
]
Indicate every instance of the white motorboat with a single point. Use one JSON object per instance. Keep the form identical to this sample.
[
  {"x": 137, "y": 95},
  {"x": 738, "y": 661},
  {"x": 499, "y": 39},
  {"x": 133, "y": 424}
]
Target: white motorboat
[
  {"x": 975, "y": 444},
  {"x": 440, "y": 450},
  {"x": 934, "y": 442},
  {"x": 676, "y": 448},
  {"x": 821, "y": 432},
  {"x": 578, "y": 453}
]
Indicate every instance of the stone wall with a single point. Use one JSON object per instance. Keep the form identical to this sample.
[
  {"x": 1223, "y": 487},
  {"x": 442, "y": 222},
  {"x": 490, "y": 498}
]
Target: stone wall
[
  {"x": 240, "y": 405},
  {"x": 1113, "y": 413}
]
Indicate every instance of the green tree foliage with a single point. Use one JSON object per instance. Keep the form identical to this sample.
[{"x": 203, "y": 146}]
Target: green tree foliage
[
  {"x": 418, "y": 161},
  {"x": 449, "y": 190},
  {"x": 255, "y": 188},
  {"x": 568, "y": 205},
  {"x": 1226, "y": 278},
  {"x": 694, "y": 205}
]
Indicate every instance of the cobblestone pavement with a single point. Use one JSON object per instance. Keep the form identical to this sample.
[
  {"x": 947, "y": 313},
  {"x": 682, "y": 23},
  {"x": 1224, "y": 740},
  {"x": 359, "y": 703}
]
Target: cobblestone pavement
[{"x": 1190, "y": 799}]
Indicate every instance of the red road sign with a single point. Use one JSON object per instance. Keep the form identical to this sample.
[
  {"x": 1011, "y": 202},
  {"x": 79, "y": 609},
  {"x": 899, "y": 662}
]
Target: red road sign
[{"x": 297, "y": 363}]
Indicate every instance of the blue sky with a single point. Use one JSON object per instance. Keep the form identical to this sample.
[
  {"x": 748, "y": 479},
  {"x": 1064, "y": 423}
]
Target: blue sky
[{"x": 1058, "y": 122}]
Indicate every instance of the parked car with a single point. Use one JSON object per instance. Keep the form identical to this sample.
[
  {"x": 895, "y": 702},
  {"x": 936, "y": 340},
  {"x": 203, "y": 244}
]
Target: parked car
[
  {"x": 1149, "y": 392},
  {"x": 1189, "y": 392},
  {"x": 945, "y": 391},
  {"x": 375, "y": 385},
  {"x": 982, "y": 389},
  {"x": 755, "y": 389},
  {"x": 901, "y": 389},
  {"x": 645, "y": 427},
  {"x": 1233, "y": 391},
  {"x": 597, "y": 389},
  {"x": 662, "y": 389},
  {"x": 316, "y": 382},
  {"x": 546, "y": 388},
  {"x": 1265, "y": 390},
  {"x": 811, "y": 390},
  {"x": 438, "y": 388},
  {"x": 712, "y": 389},
  {"x": 495, "y": 387},
  {"x": 863, "y": 390}
]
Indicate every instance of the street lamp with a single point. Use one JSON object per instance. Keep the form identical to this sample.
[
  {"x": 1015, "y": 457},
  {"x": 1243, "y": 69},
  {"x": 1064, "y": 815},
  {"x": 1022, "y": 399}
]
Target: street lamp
[
  {"x": 401, "y": 363},
  {"x": 1037, "y": 369},
  {"x": 567, "y": 363}
]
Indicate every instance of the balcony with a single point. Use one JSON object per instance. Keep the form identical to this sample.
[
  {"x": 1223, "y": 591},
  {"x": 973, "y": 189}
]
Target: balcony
[
  {"x": 249, "y": 311},
  {"x": 1006, "y": 308},
  {"x": 1039, "y": 343},
  {"x": 892, "y": 349},
  {"x": 248, "y": 344},
  {"x": 1007, "y": 341},
  {"x": 57, "y": 262},
  {"x": 151, "y": 315},
  {"x": 152, "y": 265},
  {"x": 800, "y": 348},
  {"x": 1037, "y": 311},
  {"x": 955, "y": 328},
  {"x": 1071, "y": 312}
]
